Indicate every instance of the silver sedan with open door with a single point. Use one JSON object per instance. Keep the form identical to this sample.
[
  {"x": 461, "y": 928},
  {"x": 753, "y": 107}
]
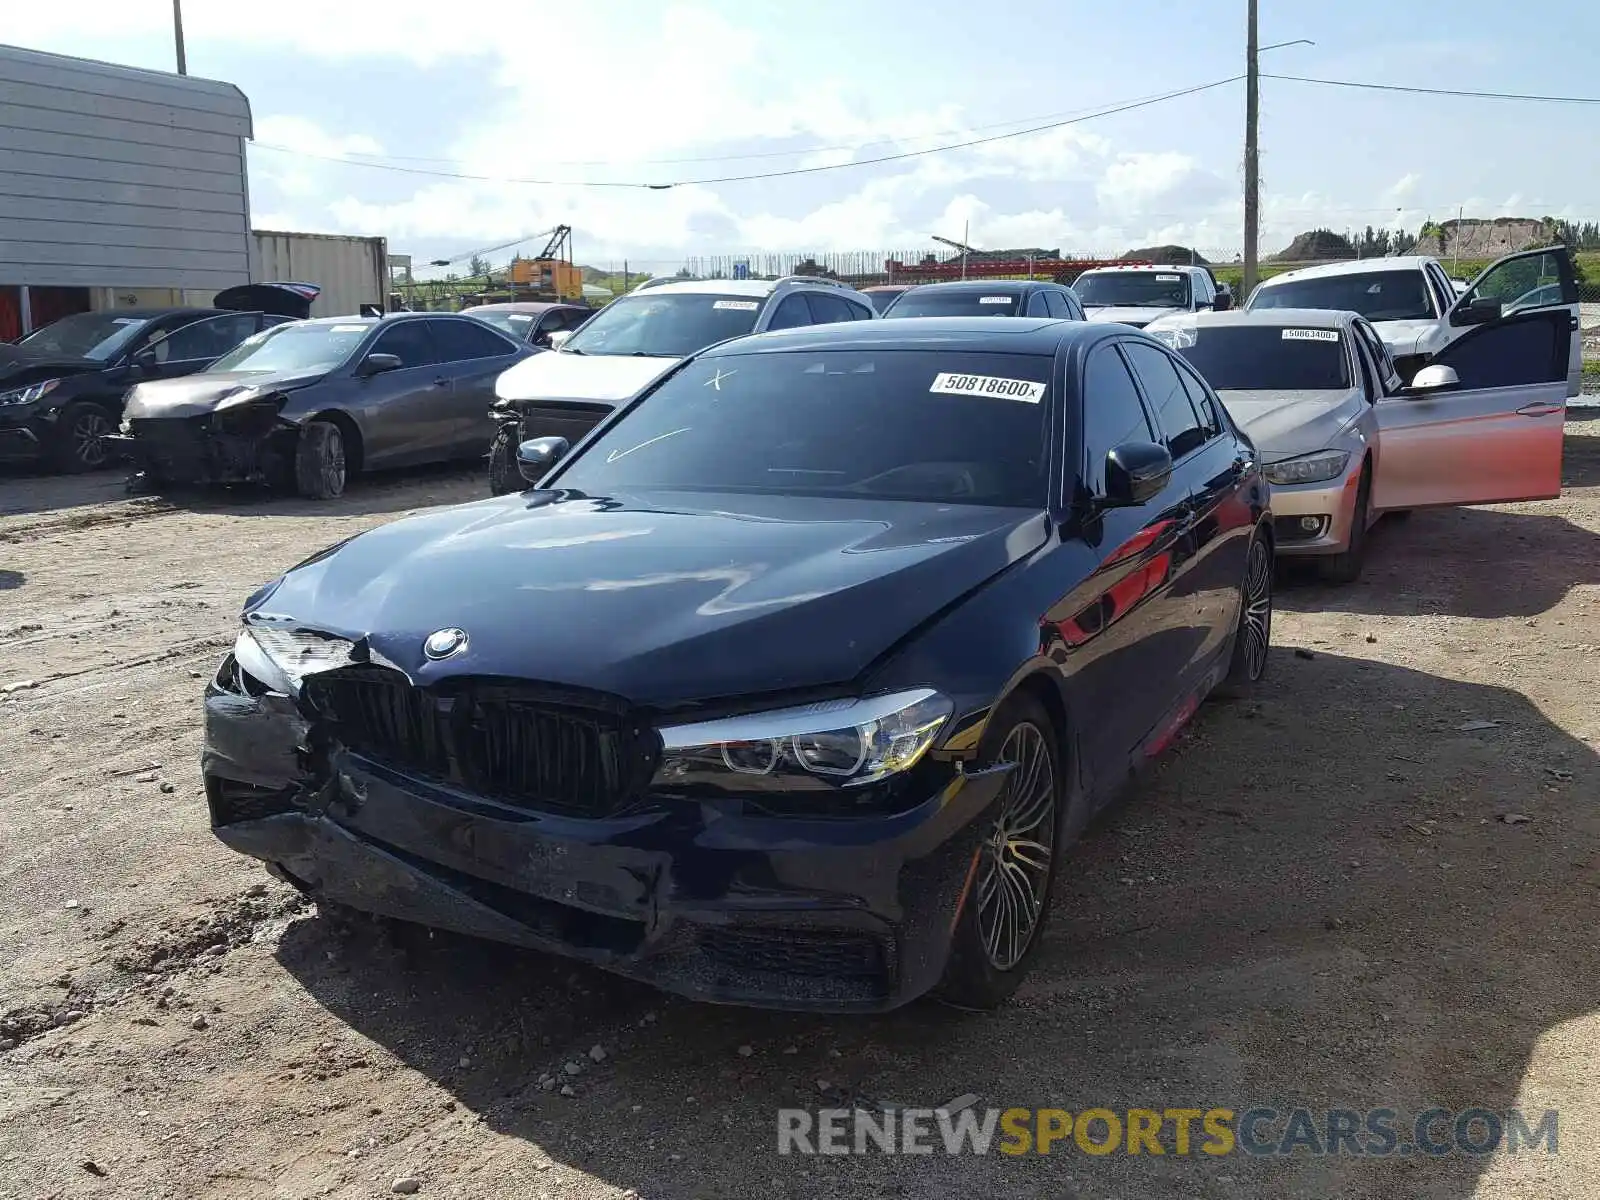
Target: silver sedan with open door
[{"x": 1343, "y": 440}]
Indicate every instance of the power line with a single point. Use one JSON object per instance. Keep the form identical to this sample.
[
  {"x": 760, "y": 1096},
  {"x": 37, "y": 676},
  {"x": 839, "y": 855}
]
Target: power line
[
  {"x": 1127, "y": 106},
  {"x": 1422, "y": 91}
]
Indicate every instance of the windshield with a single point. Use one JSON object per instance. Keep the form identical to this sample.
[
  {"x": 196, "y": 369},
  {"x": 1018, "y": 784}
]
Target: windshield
[
  {"x": 893, "y": 424},
  {"x": 882, "y": 300},
  {"x": 671, "y": 326},
  {"x": 303, "y": 346},
  {"x": 1133, "y": 289},
  {"x": 1263, "y": 357},
  {"x": 922, "y": 302},
  {"x": 100, "y": 336},
  {"x": 516, "y": 324},
  {"x": 1376, "y": 295}
]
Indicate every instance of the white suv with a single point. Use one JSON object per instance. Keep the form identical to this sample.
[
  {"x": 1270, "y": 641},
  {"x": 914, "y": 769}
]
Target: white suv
[
  {"x": 1138, "y": 295},
  {"x": 634, "y": 340},
  {"x": 1417, "y": 309}
]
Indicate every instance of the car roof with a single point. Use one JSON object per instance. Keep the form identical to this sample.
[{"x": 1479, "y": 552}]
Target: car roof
[
  {"x": 890, "y": 287},
  {"x": 1001, "y": 335},
  {"x": 150, "y": 314},
  {"x": 1352, "y": 266},
  {"x": 521, "y": 306},
  {"x": 711, "y": 287},
  {"x": 1168, "y": 267},
  {"x": 1272, "y": 318},
  {"x": 978, "y": 285}
]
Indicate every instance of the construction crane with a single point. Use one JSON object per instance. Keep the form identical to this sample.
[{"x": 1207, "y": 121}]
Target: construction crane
[
  {"x": 961, "y": 246},
  {"x": 552, "y": 274}
]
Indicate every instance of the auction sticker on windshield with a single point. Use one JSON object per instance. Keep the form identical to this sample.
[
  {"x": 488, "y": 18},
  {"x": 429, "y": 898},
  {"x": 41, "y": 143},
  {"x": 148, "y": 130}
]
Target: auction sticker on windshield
[
  {"x": 1169, "y": 278},
  {"x": 349, "y": 328},
  {"x": 950, "y": 384},
  {"x": 738, "y": 305},
  {"x": 994, "y": 300},
  {"x": 1311, "y": 335}
]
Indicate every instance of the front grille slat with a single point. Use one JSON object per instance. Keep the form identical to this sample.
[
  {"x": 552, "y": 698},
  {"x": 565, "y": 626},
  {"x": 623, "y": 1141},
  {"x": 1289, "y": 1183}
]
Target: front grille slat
[{"x": 501, "y": 740}]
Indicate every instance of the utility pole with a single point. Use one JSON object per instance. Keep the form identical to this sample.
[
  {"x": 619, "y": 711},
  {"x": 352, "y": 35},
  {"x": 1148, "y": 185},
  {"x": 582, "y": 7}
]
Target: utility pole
[
  {"x": 966, "y": 235},
  {"x": 1252, "y": 158},
  {"x": 177, "y": 35}
]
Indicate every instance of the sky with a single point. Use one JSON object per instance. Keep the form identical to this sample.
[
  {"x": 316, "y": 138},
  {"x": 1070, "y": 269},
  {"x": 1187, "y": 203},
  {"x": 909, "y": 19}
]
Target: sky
[{"x": 683, "y": 91}]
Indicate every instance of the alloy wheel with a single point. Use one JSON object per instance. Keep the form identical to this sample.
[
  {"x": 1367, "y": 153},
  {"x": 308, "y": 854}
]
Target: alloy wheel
[
  {"x": 89, "y": 430},
  {"x": 1257, "y": 629},
  {"x": 1015, "y": 858},
  {"x": 333, "y": 463}
]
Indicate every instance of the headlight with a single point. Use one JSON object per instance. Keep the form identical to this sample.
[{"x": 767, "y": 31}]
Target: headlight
[
  {"x": 1308, "y": 468},
  {"x": 281, "y": 658},
  {"x": 843, "y": 743},
  {"x": 27, "y": 395}
]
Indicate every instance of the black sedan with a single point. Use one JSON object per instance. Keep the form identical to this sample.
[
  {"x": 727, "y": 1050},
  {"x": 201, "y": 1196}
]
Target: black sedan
[
  {"x": 789, "y": 685},
  {"x": 62, "y": 387},
  {"x": 307, "y": 405},
  {"x": 988, "y": 298}
]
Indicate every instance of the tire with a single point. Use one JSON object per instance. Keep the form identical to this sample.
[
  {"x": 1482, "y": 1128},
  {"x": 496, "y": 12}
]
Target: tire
[
  {"x": 989, "y": 954},
  {"x": 1345, "y": 567},
  {"x": 1252, "y": 637},
  {"x": 1398, "y": 514},
  {"x": 319, "y": 461},
  {"x": 79, "y": 438},
  {"x": 504, "y": 477}
]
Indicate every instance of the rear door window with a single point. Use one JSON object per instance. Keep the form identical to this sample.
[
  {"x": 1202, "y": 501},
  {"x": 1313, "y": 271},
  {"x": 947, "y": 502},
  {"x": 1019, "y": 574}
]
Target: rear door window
[
  {"x": 465, "y": 339},
  {"x": 826, "y": 309},
  {"x": 792, "y": 312}
]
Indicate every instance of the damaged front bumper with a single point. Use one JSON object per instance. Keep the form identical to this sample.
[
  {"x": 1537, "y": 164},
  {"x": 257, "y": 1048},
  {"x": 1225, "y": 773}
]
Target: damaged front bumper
[
  {"x": 793, "y": 913},
  {"x": 247, "y": 444}
]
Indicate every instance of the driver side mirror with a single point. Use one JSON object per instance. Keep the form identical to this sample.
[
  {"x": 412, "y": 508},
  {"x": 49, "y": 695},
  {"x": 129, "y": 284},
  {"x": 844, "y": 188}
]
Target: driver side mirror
[
  {"x": 536, "y": 456},
  {"x": 1223, "y": 302},
  {"x": 558, "y": 339},
  {"x": 146, "y": 360},
  {"x": 1433, "y": 379},
  {"x": 1481, "y": 311},
  {"x": 377, "y": 364},
  {"x": 1136, "y": 471}
]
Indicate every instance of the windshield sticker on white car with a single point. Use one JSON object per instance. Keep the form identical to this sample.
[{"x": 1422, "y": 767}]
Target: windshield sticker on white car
[
  {"x": 1311, "y": 335},
  {"x": 994, "y": 299},
  {"x": 1169, "y": 278},
  {"x": 349, "y": 328},
  {"x": 127, "y": 320},
  {"x": 950, "y": 384},
  {"x": 738, "y": 305},
  {"x": 520, "y": 318}
]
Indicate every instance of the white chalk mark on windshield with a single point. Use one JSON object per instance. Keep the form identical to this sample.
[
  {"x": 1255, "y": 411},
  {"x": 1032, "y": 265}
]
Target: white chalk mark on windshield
[
  {"x": 716, "y": 380},
  {"x": 616, "y": 454}
]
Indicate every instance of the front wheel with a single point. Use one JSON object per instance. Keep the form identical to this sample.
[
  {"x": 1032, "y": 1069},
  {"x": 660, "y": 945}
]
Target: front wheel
[
  {"x": 1253, "y": 635},
  {"x": 319, "y": 461},
  {"x": 504, "y": 475},
  {"x": 1345, "y": 567},
  {"x": 81, "y": 432},
  {"x": 1009, "y": 897}
]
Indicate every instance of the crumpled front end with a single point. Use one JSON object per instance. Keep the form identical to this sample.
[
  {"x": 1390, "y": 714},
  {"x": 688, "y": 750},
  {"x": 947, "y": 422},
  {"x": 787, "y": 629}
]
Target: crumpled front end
[
  {"x": 525, "y": 815},
  {"x": 246, "y": 443}
]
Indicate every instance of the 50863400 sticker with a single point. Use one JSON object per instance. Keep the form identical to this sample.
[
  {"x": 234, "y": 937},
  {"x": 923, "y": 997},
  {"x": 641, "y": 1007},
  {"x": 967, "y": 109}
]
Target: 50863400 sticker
[
  {"x": 1311, "y": 335},
  {"x": 951, "y": 384}
]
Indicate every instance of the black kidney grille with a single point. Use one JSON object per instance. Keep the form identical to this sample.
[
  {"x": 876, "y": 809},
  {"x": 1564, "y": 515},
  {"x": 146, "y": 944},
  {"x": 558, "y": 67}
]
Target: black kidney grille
[{"x": 532, "y": 747}]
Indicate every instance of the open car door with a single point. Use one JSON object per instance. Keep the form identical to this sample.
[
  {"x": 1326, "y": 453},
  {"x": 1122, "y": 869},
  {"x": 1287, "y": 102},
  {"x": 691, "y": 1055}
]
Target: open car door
[
  {"x": 1528, "y": 281},
  {"x": 1482, "y": 423}
]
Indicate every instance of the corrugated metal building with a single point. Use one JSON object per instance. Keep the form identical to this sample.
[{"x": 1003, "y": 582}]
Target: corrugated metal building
[{"x": 118, "y": 187}]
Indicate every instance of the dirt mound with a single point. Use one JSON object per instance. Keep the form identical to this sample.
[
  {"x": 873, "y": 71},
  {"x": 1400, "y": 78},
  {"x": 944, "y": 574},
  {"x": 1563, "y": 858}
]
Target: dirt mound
[
  {"x": 1315, "y": 245},
  {"x": 1173, "y": 255}
]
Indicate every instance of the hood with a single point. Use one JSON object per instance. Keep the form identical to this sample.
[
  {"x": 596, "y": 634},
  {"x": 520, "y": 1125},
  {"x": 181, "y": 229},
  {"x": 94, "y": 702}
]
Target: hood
[
  {"x": 1407, "y": 337},
  {"x": 567, "y": 376},
  {"x": 1128, "y": 314},
  {"x": 22, "y": 364},
  {"x": 662, "y": 598},
  {"x": 192, "y": 395},
  {"x": 1287, "y": 423}
]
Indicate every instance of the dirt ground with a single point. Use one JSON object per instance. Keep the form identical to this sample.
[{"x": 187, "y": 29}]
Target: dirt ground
[{"x": 1350, "y": 892}]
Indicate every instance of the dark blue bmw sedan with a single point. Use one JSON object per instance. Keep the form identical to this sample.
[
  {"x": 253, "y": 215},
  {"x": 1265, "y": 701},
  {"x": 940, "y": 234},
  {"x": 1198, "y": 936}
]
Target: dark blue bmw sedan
[{"x": 789, "y": 685}]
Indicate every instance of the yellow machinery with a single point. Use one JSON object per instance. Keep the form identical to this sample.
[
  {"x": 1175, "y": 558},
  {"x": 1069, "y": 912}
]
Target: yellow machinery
[{"x": 552, "y": 273}]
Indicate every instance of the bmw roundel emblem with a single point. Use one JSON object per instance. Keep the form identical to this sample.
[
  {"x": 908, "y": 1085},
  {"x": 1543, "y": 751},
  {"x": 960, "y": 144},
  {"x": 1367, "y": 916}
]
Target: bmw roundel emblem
[{"x": 442, "y": 643}]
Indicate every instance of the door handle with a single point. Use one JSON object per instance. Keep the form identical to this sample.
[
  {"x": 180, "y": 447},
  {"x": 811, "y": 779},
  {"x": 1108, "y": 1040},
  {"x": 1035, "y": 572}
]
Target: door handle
[
  {"x": 441, "y": 382},
  {"x": 1540, "y": 408}
]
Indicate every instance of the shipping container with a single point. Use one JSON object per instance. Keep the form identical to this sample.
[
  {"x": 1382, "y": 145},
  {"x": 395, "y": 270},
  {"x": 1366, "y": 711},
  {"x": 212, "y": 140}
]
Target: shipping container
[{"x": 351, "y": 271}]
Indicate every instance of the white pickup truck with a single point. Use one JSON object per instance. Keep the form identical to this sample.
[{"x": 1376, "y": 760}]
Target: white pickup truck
[
  {"x": 1138, "y": 295},
  {"x": 1418, "y": 311}
]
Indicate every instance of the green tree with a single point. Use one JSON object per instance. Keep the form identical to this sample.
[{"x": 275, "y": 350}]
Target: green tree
[{"x": 478, "y": 266}]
